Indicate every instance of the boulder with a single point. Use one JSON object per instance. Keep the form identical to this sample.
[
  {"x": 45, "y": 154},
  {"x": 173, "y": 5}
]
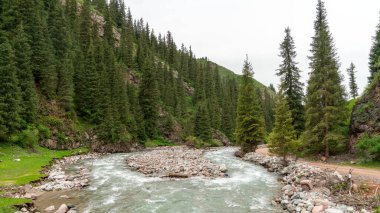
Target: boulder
[{"x": 62, "y": 209}]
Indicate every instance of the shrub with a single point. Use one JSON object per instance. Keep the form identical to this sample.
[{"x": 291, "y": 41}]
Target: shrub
[
  {"x": 198, "y": 143},
  {"x": 45, "y": 132},
  {"x": 27, "y": 138},
  {"x": 369, "y": 147},
  {"x": 158, "y": 142}
]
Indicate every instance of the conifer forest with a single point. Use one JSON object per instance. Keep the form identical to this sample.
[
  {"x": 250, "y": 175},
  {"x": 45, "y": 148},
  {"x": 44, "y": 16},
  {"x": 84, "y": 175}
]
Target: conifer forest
[{"x": 101, "y": 112}]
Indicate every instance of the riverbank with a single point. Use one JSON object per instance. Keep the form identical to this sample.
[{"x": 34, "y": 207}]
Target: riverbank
[
  {"x": 20, "y": 166},
  {"x": 311, "y": 189}
]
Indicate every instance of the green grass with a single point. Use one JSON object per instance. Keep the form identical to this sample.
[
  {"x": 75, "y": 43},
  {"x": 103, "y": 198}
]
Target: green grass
[
  {"x": 370, "y": 164},
  {"x": 7, "y": 204},
  {"x": 31, "y": 162},
  {"x": 158, "y": 142}
]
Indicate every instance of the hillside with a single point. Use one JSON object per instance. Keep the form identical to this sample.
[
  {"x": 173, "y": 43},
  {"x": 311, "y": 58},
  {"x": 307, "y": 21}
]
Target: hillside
[{"x": 87, "y": 73}]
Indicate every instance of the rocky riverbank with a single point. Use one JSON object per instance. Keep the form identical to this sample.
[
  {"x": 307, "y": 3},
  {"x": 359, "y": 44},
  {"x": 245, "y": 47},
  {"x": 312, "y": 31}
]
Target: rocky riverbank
[
  {"x": 57, "y": 180},
  {"x": 175, "y": 162},
  {"x": 307, "y": 188}
]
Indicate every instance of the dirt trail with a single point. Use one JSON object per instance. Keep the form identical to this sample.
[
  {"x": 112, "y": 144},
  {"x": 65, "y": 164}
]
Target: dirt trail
[{"x": 372, "y": 175}]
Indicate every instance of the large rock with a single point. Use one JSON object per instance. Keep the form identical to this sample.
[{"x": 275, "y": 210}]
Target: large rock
[
  {"x": 62, "y": 209},
  {"x": 366, "y": 115}
]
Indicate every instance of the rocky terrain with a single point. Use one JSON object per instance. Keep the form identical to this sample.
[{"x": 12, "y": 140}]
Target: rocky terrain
[
  {"x": 366, "y": 115},
  {"x": 307, "y": 188},
  {"x": 175, "y": 162},
  {"x": 56, "y": 180}
]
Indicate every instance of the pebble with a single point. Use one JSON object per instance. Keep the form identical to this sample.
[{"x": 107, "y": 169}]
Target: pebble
[
  {"x": 50, "y": 208},
  {"x": 306, "y": 188},
  {"x": 175, "y": 162},
  {"x": 58, "y": 180}
]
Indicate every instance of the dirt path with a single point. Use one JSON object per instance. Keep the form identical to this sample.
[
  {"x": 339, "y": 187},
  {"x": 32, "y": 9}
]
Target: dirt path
[{"x": 372, "y": 175}]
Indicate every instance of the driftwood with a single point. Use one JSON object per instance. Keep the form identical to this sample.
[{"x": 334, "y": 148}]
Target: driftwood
[{"x": 176, "y": 175}]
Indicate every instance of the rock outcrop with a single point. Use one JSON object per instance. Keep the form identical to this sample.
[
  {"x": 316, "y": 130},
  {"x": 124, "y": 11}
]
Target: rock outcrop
[{"x": 366, "y": 115}]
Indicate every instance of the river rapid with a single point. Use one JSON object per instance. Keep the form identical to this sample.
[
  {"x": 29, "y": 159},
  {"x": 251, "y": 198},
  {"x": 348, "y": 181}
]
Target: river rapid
[{"x": 115, "y": 188}]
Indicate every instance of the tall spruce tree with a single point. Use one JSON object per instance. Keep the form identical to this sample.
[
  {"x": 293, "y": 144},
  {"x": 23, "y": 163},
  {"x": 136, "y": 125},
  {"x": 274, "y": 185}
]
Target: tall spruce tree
[
  {"x": 352, "y": 81},
  {"x": 290, "y": 81},
  {"x": 148, "y": 97},
  {"x": 325, "y": 103},
  {"x": 282, "y": 138},
  {"x": 202, "y": 124},
  {"x": 29, "y": 98},
  {"x": 10, "y": 97},
  {"x": 250, "y": 129},
  {"x": 374, "y": 56}
]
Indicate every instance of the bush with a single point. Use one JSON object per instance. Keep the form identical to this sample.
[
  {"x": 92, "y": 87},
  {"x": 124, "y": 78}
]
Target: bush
[
  {"x": 198, "y": 143},
  {"x": 158, "y": 142},
  {"x": 45, "y": 132},
  {"x": 369, "y": 147},
  {"x": 27, "y": 138}
]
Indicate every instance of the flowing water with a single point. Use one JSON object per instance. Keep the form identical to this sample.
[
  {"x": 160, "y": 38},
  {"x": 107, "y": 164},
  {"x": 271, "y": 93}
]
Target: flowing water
[{"x": 115, "y": 188}]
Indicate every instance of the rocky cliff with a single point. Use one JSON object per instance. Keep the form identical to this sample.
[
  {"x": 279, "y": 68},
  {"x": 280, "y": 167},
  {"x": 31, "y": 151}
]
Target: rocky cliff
[{"x": 366, "y": 115}]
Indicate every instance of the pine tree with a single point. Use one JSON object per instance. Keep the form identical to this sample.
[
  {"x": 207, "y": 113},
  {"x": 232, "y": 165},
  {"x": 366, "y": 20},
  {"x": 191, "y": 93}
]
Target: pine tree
[
  {"x": 290, "y": 81},
  {"x": 87, "y": 85},
  {"x": 202, "y": 126},
  {"x": 249, "y": 122},
  {"x": 352, "y": 84},
  {"x": 29, "y": 98},
  {"x": 325, "y": 103},
  {"x": 148, "y": 97},
  {"x": 374, "y": 55},
  {"x": 282, "y": 138},
  {"x": 9, "y": 91}
]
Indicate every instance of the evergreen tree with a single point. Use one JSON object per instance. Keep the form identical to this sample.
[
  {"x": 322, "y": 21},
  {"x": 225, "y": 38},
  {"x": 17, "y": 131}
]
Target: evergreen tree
[
  {"x": 249, "y": 122},
  {"x": 374, "y": 55},
  {"x": 10, "y": 97},
  {"x": 290, "y": 81},
  {"x": 29, "y": 98},
  {"x": 325, "y": 103},
  {"x": 148, "y": 97},
  {"x": 202, "y": 127},
  {"x": 271, "y": 87},
  {"x": 282, "y": 138},
  {"x": 352, "y": 81},
  {"x": 86, "y": 87}
]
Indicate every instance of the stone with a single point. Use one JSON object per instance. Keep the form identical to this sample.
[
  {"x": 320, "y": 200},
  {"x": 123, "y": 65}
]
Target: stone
[
  {"x": 350, "y": 209},
  {"x": 330, "y": 210},
  {"x": 50, "y": 208},
  {"x": 72, "y": 211},
  {"x": 287, "y": 188},
  {"x": 64, "y": 197},
  {"x": 24, "y": 209},
  {"x": 317, "y": 209},
  {"x": 62, "y": 209},
  {"x": 298, "y": 209},
  {"x": 17, "y": 160},
  {"x": 307, "y": 183},
  {"x": 355, "y": 187}
]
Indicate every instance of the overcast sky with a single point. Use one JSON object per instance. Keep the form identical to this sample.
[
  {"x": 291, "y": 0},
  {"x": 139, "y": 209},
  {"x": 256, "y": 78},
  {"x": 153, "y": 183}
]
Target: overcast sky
[{"x": 226, "y": 30}]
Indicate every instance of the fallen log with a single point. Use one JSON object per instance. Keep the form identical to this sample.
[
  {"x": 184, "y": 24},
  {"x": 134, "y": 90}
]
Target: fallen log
[{"x": 177, "y": 175}]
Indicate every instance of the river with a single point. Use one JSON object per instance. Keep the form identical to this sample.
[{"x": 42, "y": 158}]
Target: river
[{"x": 115, "y": 188}]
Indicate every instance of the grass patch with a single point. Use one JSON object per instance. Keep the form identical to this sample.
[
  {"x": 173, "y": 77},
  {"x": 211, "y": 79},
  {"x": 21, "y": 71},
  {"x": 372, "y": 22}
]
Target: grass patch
[
  {"x": 7, "y": 204},
  {"x": 370, "y": 164},
  {"x": 31, "y": 162},
  {"x": 158, "y": 142}
]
